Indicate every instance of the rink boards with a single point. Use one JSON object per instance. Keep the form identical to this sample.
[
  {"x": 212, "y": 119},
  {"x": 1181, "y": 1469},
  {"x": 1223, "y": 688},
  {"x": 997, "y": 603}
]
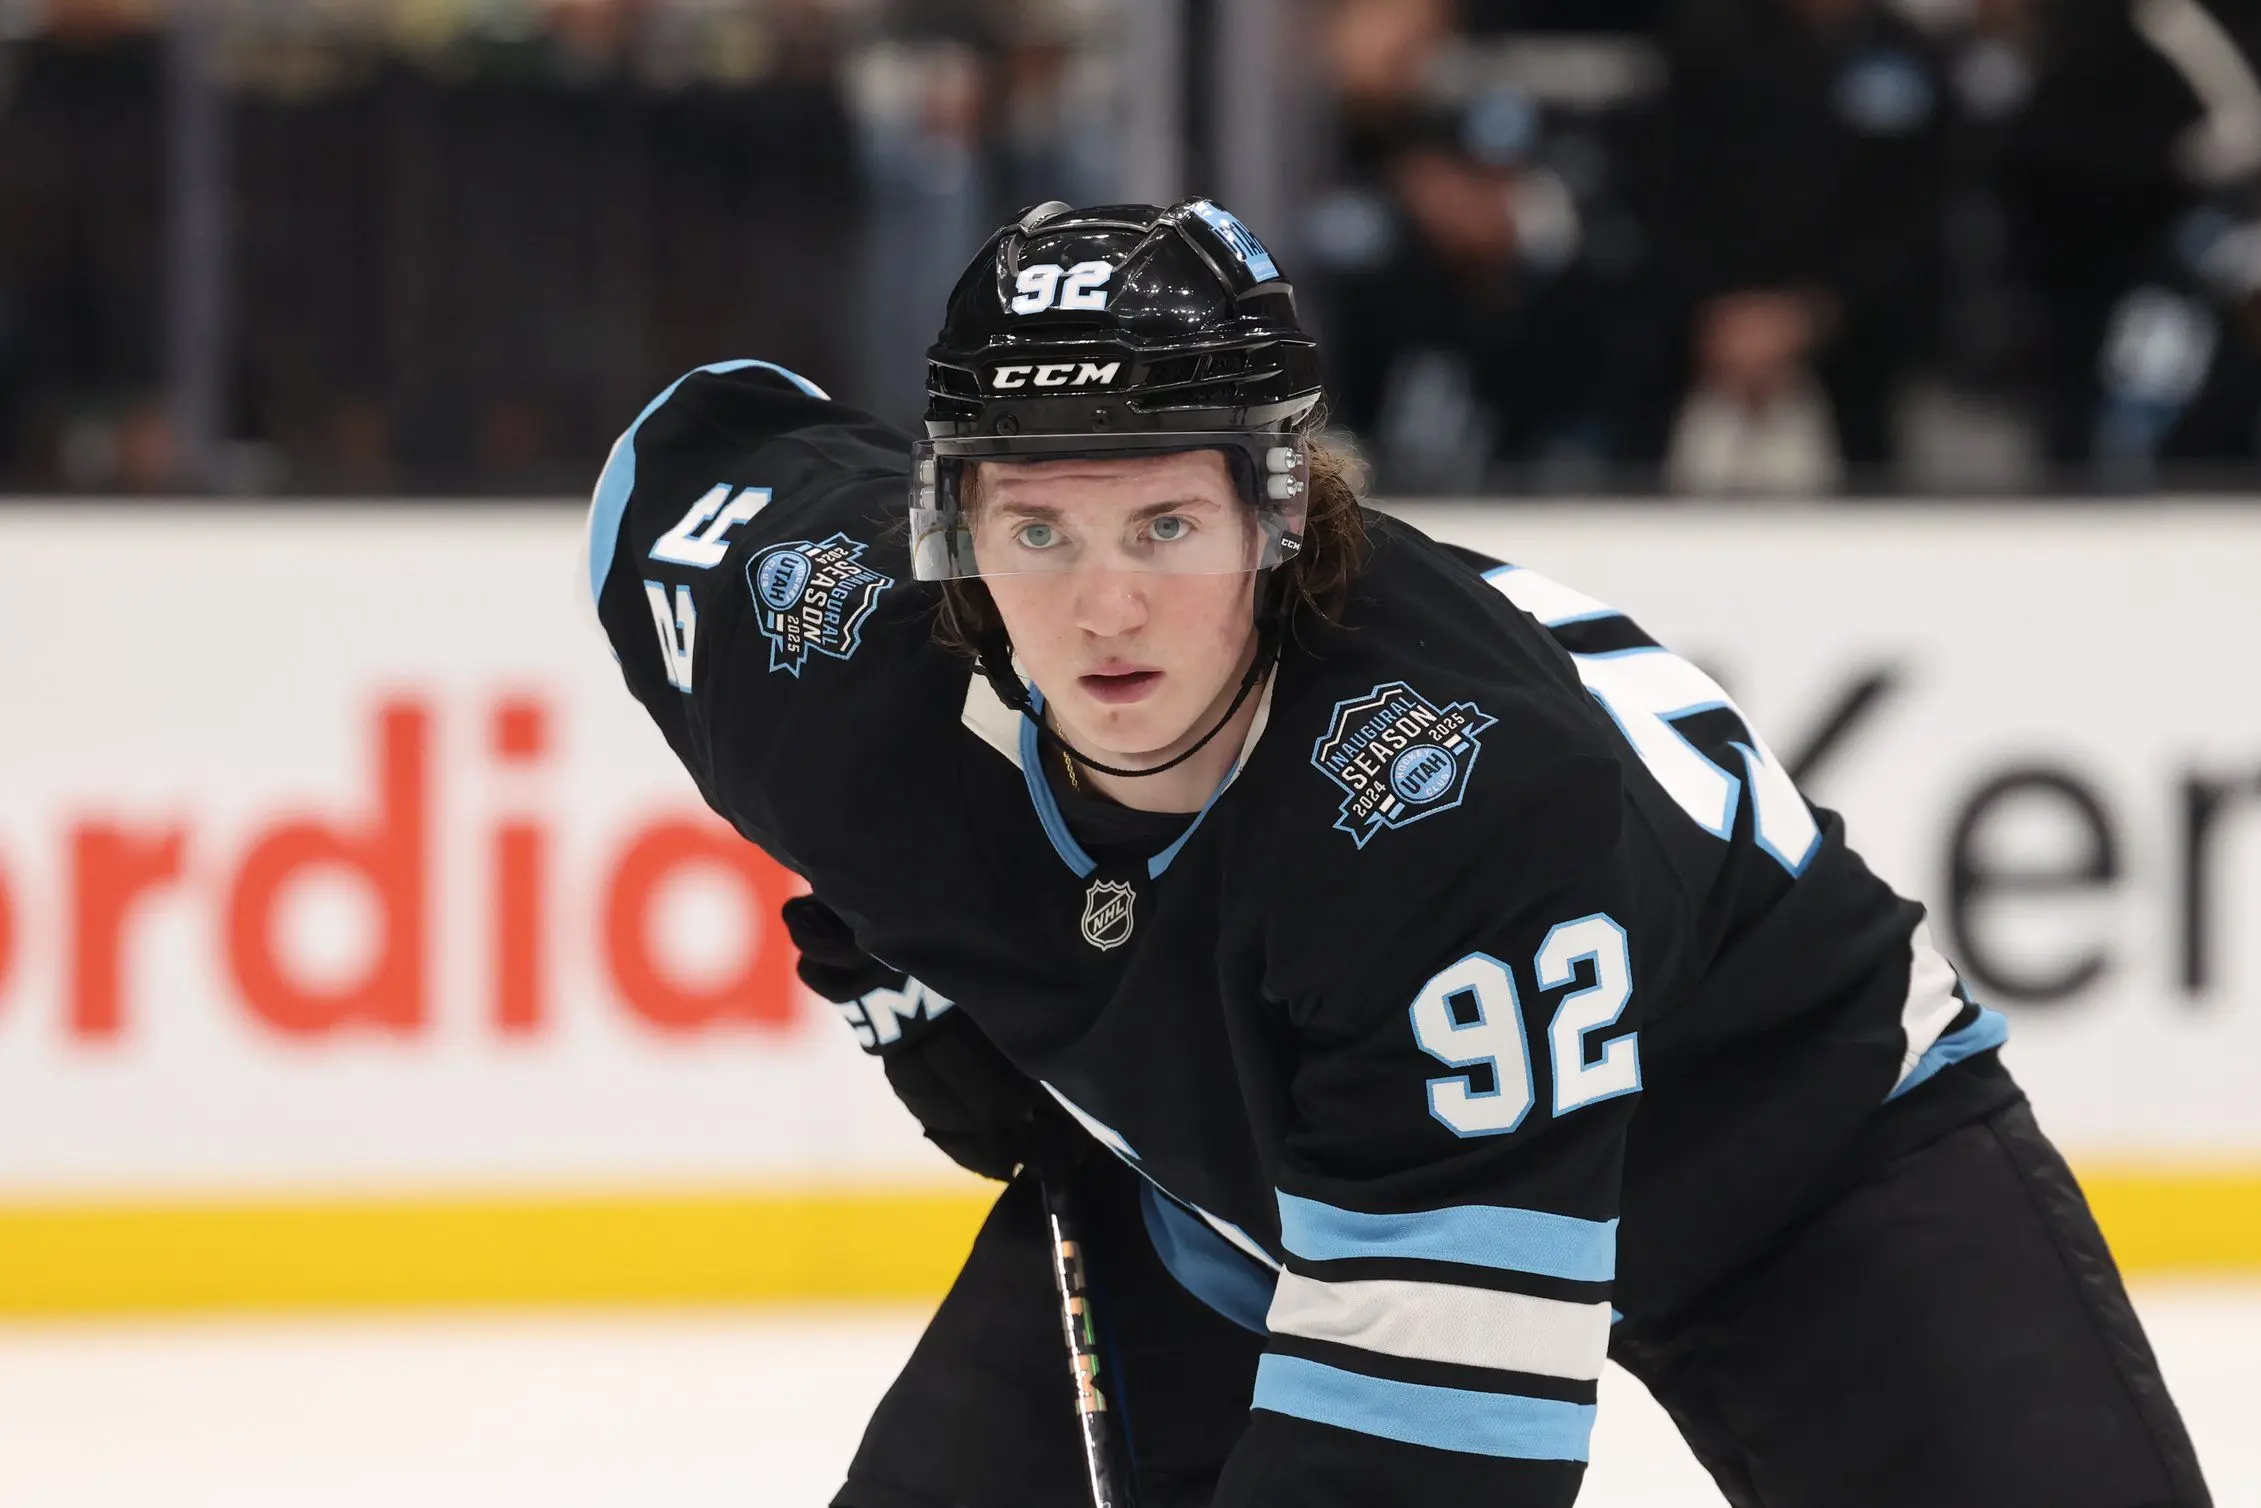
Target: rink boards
[{"x": 361, "y": 942}]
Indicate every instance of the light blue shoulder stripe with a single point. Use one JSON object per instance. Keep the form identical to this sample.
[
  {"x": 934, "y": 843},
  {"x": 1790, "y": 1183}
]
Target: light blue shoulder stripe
[
  {"x": 1989, "y": 1031},
  {"x": 618, "y": 479},
  {"x": 1477, "y": 1424},
  {"x": 1479, "y": 1235}
]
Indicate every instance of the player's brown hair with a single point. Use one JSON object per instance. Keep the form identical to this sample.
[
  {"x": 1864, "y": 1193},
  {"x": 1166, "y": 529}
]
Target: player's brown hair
[{"x": 1318, "y": 579}]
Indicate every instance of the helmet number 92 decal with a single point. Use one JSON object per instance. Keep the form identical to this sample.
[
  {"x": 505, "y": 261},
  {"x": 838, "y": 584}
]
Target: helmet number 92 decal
[{"x": 1048, "y": 285}]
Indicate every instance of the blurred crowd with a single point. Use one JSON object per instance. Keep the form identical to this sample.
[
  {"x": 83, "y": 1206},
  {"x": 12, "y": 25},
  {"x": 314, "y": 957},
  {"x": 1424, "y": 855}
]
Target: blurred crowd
[
  {"x": 464, "y": 241},
  {"x": 1798, "y": 245},
  {"x": 1701, "y": 246}
]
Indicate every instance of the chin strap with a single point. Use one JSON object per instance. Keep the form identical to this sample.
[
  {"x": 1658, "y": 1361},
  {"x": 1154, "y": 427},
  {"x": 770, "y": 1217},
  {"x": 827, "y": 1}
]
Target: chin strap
[{"x": 996, "y": 665}]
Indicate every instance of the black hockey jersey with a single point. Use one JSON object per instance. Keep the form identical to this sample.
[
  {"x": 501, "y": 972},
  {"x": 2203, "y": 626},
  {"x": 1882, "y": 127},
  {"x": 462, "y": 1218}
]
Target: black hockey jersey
[{"x": 1507, "y": 979}]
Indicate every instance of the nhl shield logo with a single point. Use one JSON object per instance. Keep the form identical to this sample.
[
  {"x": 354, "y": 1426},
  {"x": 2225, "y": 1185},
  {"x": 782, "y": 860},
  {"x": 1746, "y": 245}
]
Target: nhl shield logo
[
  {"x": 1398, "y": 757},
  {"x": 811, "y": 597},
  {"x": 1107, "y": 910}
]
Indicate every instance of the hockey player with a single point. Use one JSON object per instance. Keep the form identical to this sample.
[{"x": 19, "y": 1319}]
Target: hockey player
[{"x": 1460, "y": 986}]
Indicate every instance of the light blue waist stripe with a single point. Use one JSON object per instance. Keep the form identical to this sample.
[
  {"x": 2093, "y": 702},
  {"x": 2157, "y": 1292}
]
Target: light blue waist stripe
[
  {"x": 1205, "y": 1263},
  {"x": 1989, "y": 1031},
  {"x": 1476, "y": 1424},
  {"x": 1481, "y": 1235},
  {"x": 618, "y": 480}
]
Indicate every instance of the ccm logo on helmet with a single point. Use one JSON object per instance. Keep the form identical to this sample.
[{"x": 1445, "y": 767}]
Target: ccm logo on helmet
[{"x": 1056, "y": 374}]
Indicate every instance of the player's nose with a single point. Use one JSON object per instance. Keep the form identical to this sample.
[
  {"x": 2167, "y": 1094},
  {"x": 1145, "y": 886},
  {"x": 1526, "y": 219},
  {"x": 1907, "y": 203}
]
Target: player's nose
[{"x": 1109, "y": 604}]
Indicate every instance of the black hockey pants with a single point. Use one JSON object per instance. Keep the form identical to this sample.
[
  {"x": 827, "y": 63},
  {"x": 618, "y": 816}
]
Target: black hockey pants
[{"x": 1949, "y": 1333}]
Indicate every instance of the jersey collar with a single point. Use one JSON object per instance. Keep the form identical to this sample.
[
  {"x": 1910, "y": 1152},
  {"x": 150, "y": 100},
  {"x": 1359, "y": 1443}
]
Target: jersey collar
[{"x": 1015, "y": 737}]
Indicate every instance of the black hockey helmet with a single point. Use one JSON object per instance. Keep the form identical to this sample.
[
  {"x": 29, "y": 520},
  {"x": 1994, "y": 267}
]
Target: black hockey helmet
[
  {"x": 1117, "y": 330},
  {"x": 1164, "y": 319}
]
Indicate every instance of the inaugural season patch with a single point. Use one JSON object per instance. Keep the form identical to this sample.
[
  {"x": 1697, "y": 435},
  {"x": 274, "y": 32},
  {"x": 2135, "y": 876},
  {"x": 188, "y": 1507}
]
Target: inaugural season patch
[
  {"x": 1398, "y": 756},
  {"x": 813, "y": 598}
]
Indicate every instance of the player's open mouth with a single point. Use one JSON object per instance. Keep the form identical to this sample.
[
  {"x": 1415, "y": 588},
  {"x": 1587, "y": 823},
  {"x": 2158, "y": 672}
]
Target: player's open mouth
[{"x": 1127, "y": 686}]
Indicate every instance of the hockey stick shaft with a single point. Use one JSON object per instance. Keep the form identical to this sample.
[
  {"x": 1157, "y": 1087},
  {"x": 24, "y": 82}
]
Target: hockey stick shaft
[{"x": 1104, "y": 1461}]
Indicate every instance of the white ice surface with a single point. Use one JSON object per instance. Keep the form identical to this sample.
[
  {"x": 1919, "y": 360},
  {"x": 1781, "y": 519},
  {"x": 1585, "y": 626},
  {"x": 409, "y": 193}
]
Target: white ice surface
[{"x": 683, "y": 1410}]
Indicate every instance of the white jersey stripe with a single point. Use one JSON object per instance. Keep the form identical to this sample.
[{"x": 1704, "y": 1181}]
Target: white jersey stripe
[
  {"x": 1552, "y": 603},
  {"x": 1474, "y": 1327},
  {"x": 1932, "y": 1004}
]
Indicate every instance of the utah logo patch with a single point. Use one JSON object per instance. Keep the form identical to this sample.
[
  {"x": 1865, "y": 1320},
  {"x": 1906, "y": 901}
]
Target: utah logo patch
[
  {"x": 1398, "y": 757},
  {"x": 813, "y": 598},
  {"x": 1107, "y": 908}
]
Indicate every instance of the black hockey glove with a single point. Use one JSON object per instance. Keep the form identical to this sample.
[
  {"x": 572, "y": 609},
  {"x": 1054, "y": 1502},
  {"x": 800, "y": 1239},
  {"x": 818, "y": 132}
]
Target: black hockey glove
[
  {"x": 968, "y": 1097},
  {"x": 831, "y": 963}
]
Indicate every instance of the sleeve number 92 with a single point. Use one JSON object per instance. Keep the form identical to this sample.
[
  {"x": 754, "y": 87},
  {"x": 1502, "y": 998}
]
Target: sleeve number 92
[{"x": 1469, "y": 1016}]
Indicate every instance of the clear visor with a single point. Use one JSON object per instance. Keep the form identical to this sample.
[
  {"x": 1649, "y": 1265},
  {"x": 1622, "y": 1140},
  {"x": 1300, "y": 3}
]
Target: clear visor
[{"x": 1012, "y": 505}]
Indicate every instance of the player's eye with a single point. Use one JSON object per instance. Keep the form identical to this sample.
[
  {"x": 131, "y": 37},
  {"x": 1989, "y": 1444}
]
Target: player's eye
[
  {"x": 1038, "y": 536},
  {"x": 1170, "y": 527}
]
